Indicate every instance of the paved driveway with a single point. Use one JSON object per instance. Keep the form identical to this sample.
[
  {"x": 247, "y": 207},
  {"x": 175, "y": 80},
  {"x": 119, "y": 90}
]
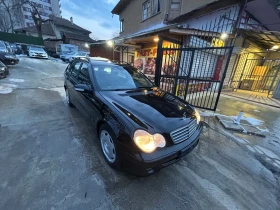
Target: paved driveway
[{"x": 51, "y": 159}]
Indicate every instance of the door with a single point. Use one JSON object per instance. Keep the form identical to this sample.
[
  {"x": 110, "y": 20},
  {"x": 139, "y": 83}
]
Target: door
[
  {"x": 72, "y": 80},
  {"x": 89, "y": 105}
]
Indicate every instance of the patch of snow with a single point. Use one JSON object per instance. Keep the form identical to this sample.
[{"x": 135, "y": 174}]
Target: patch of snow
[
  {"x": 267, "y": 152},
  {"x": 7, "y": 88},
  {"x": 263, "y": 130},
  {"x": 251, "y": 120},
  {"x": 259, "y": 151},
  {"x": 277, "y": 165},
  {"x": 16, "y": 80},
  {"x": 256, "y": 110},
  {"x": 21, "y": 55},
  {"x": 250, "y": 148},
  {"x": 35, "y": 60}
]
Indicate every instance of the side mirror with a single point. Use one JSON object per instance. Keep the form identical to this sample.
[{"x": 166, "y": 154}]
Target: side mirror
[{"x": 83, "y": 88}]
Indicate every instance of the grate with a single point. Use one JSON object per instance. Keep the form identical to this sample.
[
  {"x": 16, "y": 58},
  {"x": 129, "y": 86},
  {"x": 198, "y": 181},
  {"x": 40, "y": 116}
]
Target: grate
[{"x": 183, "y": 133}]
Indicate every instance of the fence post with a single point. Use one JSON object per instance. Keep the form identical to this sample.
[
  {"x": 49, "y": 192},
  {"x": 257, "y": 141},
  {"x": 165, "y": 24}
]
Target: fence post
[
  {"x": 223, "y": 78},
  {"x": 273, "y": 80},
  {"x": 158, "y": 61}
]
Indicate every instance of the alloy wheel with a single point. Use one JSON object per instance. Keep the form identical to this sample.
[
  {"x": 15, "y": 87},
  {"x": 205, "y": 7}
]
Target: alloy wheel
[{"x": 108, "y": 146}]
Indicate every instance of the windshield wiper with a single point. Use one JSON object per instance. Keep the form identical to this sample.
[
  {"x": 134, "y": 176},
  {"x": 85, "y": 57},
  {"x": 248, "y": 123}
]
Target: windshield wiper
[
  {"x": 143, "y": 87},
  {"x": 120, "y": 89}
]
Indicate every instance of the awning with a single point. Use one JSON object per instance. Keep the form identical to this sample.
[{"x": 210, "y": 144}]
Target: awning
[{"x": 265, "y": 39}]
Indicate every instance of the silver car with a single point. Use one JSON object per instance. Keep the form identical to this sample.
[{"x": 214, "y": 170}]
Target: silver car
[
  {"x": 37, "y": 52},
  {"x": 79, "y": 54}
]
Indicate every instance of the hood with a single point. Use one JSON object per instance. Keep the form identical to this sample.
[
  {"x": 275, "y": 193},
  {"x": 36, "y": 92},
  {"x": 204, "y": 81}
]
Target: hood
[{"x": 154, "y": 110}]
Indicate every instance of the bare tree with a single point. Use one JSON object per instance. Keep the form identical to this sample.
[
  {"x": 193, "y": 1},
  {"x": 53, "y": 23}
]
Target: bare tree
[
  {"x": 115, "y": 34},
  {"x": 9, "y": 18},
  {"x": 37, "y": 18},
  {"x": 8, "y": 8}
]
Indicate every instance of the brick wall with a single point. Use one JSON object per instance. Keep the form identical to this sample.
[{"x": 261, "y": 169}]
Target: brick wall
[{"x": 51, "y": 45}]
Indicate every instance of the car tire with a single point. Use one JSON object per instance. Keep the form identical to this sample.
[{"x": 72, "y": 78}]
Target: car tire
[
  {"x": 68, "y": 98},
  {"x": 110, "y": 152}
]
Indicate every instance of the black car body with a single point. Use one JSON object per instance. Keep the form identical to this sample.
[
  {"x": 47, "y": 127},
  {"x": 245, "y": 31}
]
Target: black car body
[
  {"x": 136, "y": 119},
  {"x": 8, "y": 58},
  {"x": 3, "y": 70}
]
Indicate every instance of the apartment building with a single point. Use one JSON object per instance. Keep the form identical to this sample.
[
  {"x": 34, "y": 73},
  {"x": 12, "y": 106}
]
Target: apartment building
[{"x": 45, "y": 7}]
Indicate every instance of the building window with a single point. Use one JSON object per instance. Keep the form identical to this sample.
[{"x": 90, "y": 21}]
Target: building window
[
  {"x": 121, "y": 25},
  {"x": 150, "y": 8},
  {"x": 175, "y": 4},
  {"x": 156, "y": 6},
  {"x": 146, "y": 10}
]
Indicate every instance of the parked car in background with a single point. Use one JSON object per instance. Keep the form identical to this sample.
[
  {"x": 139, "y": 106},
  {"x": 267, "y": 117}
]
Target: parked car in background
[
  {"x": 3, "y": 70},
  {"x": 66, "y": 57},
  {"x": 16, "y": 48},
  {"x": 100, "y": 59},
  {"x": 79, "y": 54},
  {"x": 37, "y": 52},
  {"x": 66, "y": 48},
  {"x": 8, "y": 58},
  {"x": 5, "y": 47},
  {"x": 140, "y": 127}
]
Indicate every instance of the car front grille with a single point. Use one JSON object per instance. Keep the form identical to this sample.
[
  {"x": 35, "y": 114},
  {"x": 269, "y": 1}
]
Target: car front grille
[{"x": 184, "y": 132}]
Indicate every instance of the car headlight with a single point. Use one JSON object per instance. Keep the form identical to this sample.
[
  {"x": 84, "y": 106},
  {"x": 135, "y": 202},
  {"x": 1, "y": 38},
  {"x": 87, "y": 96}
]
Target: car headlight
[
  {"x": 147, "y": 142},
  {"x": 197, "y": 115},
  {"x": 9, "y": 56}
]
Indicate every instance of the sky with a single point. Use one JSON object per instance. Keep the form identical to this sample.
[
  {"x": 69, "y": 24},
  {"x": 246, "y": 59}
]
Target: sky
[{"x": 93, "y": 15}]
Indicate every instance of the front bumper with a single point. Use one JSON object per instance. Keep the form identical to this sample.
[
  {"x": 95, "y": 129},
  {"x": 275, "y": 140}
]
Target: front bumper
[
  {"x": 11, "y": 61},
  {"x": 144, "y": 164},
  {"x": 38, "y": 56}
]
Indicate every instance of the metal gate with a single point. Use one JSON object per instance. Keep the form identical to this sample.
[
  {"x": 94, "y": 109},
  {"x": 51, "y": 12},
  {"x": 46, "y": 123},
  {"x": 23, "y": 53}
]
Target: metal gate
[
  {"x": 259, "y": 75},
  {"x": 193, "y": 74}
]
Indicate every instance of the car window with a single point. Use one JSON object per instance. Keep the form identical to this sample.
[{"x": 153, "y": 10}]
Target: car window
[
  {"x": 119, "y": 77},
  {"x": 75, "y": 70},
  {"x": 2, "y": 44},
  {"x": 84, "y": 74}
]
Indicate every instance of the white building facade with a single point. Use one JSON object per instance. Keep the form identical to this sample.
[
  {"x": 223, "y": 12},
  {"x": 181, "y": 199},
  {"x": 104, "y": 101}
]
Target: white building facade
[{"x": 45, "y": 7}]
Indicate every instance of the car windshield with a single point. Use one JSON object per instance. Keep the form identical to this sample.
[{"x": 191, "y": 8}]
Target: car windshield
[
  {"x": 36, "y": 48},
  {"x": 81, "y": 53},
  {"x": 120, "y": 78}
]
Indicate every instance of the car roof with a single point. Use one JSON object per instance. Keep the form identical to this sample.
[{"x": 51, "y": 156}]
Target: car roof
[{"x": 105, "y": 61}]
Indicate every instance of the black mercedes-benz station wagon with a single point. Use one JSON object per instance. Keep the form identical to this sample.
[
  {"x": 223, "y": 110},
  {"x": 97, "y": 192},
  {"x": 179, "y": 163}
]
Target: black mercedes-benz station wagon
[{"x": 141, "y": 128}]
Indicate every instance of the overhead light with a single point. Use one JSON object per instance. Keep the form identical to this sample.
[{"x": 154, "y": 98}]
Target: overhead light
[
  {"x": 86, "y": 45},
  {"x": 110, "y": 43},
  {"x": 275, "y": 47},
  {"x": 224, "y": 36},
  {"x": 156, "y": 39}
]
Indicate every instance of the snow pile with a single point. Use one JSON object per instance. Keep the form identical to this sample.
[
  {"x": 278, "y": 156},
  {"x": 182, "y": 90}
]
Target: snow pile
[
  {"x": 7, "y": 88},
  {"x": 16, "y": 80},
  {"x": 259, "y": 124}
]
